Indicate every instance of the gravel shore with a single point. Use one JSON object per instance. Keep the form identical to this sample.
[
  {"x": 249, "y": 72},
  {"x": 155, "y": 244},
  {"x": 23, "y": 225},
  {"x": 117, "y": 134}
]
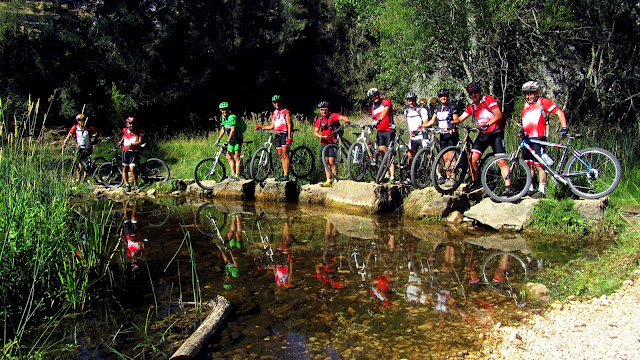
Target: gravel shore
[{"x": 600, "y": 328}]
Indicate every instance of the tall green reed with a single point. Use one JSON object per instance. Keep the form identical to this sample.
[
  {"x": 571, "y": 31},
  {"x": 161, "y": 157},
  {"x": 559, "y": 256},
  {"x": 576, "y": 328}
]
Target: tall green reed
[{"x": 48, "y": 256}]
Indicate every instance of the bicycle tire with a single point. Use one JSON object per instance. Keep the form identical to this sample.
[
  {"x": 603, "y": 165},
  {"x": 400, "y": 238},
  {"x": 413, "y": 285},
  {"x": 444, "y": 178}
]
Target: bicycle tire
[
  {"x": 356, "y": 160},
  {"x": 457, "y": 165},
  {"x": 512, "y": 268},
  {"x": 387, "y": 160},
  {"x": 95, "y": 165},
  {"x": 157, "y": 214},
  {"x": 110, "y": 175},
  {"x": 421, "y": 168},
  {"x": 493, "y": 181},
  {"x": 599, "y": 177},
  {"x": 261, "y": 164},
  {"x": 302, "y": 162},
  {"x": 203, "y": 217},
  {"x": 341, "y": 161},
  {"x": 208, "y": 172},
  {"x": 154, "y": 170},
  {"x": 262, "y": 234}
]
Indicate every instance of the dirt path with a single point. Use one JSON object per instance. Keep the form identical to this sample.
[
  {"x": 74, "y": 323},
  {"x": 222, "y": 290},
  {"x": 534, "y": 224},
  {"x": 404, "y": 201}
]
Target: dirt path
[{"x": 600, "y": 328}]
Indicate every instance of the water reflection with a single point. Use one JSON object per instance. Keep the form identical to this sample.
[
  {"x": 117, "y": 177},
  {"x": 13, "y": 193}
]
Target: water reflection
[{"x": 307, "y": 283}]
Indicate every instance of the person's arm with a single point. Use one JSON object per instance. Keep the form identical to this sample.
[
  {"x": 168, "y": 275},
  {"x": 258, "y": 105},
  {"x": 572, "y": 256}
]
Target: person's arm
[
  {"x": 461, "y": 118},
  {"x": 384, "y": 113},
  {"x": 430, "y": 122},
  {"x": 289, "y": 126},
  {"x": 220, "y": 133},
  {"x": 344, "y": 119},
  {"x": 232, "y": 133},
  {"x": 497, "y": 116},
  {"x": 139, "y": 139},
  {"x": 316, "y": 132},
  {"x": 561, "y": 117},
  {"x": 66, "y": 139}
]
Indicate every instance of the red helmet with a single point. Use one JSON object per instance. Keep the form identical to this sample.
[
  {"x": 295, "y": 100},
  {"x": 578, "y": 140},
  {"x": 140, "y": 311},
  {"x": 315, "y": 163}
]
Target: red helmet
[
  {"x": 130, "y": 119},
  {"x": 473, "y": 87}
]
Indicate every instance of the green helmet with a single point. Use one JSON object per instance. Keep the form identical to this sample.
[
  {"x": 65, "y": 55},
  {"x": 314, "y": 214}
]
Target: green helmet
[
  {"x": 224, "y": 105},
  {"x": 275, "y": 98}
]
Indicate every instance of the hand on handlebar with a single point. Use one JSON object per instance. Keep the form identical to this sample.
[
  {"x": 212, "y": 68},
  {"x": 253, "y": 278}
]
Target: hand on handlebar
[
  {"x": 258, "y": 127},
  {"x": 563, "y": 132},
  {"x": 289, "y": 140},
  {"x": 483, "y": 127}
]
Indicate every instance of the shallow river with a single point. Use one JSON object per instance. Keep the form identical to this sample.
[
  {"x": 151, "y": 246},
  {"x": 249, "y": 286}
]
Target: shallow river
[{"x": 305, "y": 282}]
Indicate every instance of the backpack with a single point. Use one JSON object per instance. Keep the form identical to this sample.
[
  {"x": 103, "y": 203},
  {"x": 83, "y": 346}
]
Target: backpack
[{"x": 242, "y": 126}]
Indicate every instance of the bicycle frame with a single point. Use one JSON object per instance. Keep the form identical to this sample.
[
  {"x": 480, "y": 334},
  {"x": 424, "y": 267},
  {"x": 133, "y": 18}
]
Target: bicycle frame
[
  {"x": 364, "y": 139},
  {"x": 557, "y": 175}
]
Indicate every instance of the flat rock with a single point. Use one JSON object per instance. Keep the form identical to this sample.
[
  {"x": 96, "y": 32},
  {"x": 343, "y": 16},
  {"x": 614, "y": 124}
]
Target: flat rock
[
  {"x": 502, "y": 216},
  {"x": 430, "y": 203},
  {"x": 368, "y": 197}
]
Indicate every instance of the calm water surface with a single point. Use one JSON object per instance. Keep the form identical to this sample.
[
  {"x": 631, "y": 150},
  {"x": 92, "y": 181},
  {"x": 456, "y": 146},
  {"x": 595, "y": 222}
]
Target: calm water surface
[{"x": 306, "y": 282}]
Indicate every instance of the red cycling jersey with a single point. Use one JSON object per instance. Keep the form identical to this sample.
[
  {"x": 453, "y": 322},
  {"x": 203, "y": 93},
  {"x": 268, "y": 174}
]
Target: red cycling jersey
[
  {"x": 482, "y": 113},
  {"x": 535, "y": 116},
  {"x": 280, "y": 120},
  {"x": 129, "y": 137},
  {"x": 327, "y": 125},
  {"x": 83, "y": 136},
  {"x": 376, "y": 111}
]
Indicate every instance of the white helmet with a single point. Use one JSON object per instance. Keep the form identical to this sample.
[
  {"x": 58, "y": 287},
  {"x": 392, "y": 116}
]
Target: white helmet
[
  {"x": 530, "y": 86},
  {"x": 372, "y": 91}
]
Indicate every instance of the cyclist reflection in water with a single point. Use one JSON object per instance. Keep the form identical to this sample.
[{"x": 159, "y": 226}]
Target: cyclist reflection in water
[
  {"x": 283, "y": 269},
  {"x": 234, "y": 237},
  {"x": 135, "y": 246},
  {"x": 381, "y": 289},
  {"x": 327, "y": 271}
]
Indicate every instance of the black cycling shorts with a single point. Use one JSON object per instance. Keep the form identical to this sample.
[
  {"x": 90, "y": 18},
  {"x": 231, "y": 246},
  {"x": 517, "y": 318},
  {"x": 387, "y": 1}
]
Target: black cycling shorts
[
  {"x": 383, "y": 138},
  {"x": 447, "y": 139},
  {"x": 329, "y": 153},
  {"x": 495, "y": 140},
  {"x": 130, "y": 158}
]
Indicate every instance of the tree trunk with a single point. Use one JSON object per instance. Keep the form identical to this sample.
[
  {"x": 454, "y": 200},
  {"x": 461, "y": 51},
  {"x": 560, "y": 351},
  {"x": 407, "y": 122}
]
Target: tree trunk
[{"x": 199, "y": 338}]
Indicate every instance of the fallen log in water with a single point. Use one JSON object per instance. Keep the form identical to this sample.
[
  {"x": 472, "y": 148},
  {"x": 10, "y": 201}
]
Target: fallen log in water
[{"x": 199, "y": 338}]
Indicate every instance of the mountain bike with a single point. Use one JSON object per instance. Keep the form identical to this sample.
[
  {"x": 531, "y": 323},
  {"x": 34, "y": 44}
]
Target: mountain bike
[
  {"x": 302, "y": 161},
  {"x": 151, "y": 170},
  {"x": 451, "y": 165},
  {"x": 423, "y": 160},
  {"x": 364, "y": 156},
  {"x": 88, "y": 164},
  {"x": 212, "y": 170},
  {"x": 397, "y": 149},
  {"x": 341, "y": 150},
  {"x": 590, "y": 173},
  {"x": 204, "y": 214}
]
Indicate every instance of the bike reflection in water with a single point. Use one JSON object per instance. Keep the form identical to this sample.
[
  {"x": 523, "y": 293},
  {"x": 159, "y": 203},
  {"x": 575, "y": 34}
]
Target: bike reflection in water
[
  {"x": 327, "y": 272},
  {"x": 135, "y": 246},
  {"x": 283, "y": 267}
]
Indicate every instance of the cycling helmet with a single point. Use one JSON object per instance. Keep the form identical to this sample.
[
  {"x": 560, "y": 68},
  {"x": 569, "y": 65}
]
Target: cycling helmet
[
  {"x": 323, "y": 105},
  {"x": 373, "y": 91},
  {"x": 530, "y": 86},
  {"x": 275, "y": 98},
  {"x": 443, "y": 92},
  {"x": 473, "y": 87},
  {"x": 411, "y": 95},
  {"x": 130, "y": 119},
  {"x": 224, "y": 105},
  {"x": 80, "y": 117}
]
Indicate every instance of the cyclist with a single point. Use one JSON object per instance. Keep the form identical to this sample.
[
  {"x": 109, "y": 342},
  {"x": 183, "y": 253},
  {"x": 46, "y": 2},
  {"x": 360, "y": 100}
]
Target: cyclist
[
  {"x": 231, "y": 124},
  {"x": 131, "y": 142},
  {"x": 445, "y": 113},
  {"x": 282, "y": 125},
  {"x": 83, "y": 135},
  {"x": 325, "y": 124},
  {"x": 415, "y": 116},
  {"x": 485, "y": 109},
  {"x": 382, "y": 113},
  {"x": 535, "y": 117}
]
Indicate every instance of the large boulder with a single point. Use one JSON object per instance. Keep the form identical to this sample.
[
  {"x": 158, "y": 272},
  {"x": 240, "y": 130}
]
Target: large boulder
[
  {"x": 313, "y": 194},
  {"x": 502, "y": 216},
  {"x": 242, "y": 189},
  {"x": 429, "y": 203},
  {"x": 272, "y": 190},
  {"x": 591, "y": 209},
  {"x": 369, "y": 197}
]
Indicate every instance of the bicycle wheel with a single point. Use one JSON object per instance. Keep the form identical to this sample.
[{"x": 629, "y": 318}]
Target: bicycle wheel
[
  {"x": 421, "y": 168},
  {"x": 593, "y": 175},
  {"x": 302, "y": 162},
  {"x": 95, "y": 165},
  {"x": 261, "y": 164},
  {"x": 505, "y": 272},
  {"x": 209, "y": 172},
  {"x": 156, "y": 214},
  {"x": 110, "y": 175},
  {"x": 387, "y": 160},
  {"x": 206, "y": 216},
  {"x": 493, "y": 180},
  {"x": 449, "y": 169},
  {"x": 262, "y": 235},
  {"x": 341, "y": 161},
  {"x": 155, "y": 170},
  {"x": 357, "y": 161}
]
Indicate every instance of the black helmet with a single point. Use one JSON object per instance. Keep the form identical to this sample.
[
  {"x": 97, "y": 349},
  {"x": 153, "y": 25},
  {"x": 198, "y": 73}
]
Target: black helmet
[
  {"x": 473, "y": 87},
  {"x": 323, "y": 104},
  {"x": 443, "y": 92},
  {"x": 411, "y": 95}
]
